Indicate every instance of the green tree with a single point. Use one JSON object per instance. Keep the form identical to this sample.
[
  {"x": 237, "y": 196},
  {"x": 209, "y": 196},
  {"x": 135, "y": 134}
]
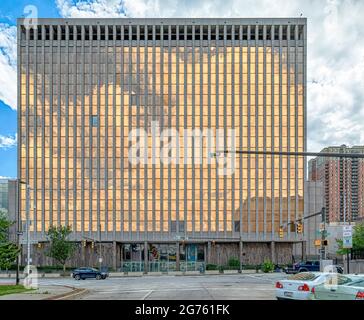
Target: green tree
[
  {"x": 358, "y": 240},
  {"x": 8, "y": 250},
  {"x": 61, "y": 249}
]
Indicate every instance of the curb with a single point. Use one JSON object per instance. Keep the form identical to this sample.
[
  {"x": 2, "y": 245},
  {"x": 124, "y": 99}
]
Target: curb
[{"x": 64, "y": 296}]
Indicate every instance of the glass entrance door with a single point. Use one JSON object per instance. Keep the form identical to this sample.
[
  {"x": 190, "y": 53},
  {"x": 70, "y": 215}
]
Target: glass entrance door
[{"x": 192, "y": 257}]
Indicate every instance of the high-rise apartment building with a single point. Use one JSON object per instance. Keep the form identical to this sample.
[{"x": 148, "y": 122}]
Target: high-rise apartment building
[
  {"x": 343, "y": 181},
  {"x": 119, "y": 119}
]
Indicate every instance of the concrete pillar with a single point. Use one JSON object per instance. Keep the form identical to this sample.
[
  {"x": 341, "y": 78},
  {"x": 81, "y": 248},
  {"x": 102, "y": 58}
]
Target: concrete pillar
[
  {"x": 273, "y": 251},
  {"x": 177, "y": 256},
  {"x": 83, "y": 255},
  {"x": 121, "y": 257},
  {"x": 146, "y": 257},
  {"x": 240, "y": 256},
  {"x": 209, "y": 252},
  {"x": 114, "y": 255},
  {"x": 304, "y": 250}
]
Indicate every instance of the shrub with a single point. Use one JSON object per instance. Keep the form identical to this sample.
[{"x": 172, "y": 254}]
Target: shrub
[
  {"x": 267, "y": 266},
  {"x": 234, "y": 262},
  {"x": 211, "y": 266}
]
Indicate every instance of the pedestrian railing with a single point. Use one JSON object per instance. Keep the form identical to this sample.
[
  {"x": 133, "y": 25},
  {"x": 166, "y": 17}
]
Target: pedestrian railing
[{"x": 162, "y": 266}]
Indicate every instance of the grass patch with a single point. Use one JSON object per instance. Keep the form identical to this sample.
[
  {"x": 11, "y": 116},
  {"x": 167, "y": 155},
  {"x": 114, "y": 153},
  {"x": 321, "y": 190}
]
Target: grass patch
[{"x": 9, "y": 289}]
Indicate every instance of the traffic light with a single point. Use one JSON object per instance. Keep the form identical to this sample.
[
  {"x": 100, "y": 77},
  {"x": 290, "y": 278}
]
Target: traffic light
[
  {"x": 84, "y": 243},
  {"x": 39, "y": 245},
  {"x": 325, "y": 243},
  {"x": 299, "y": 227},
  {"x": 323, "y": 214},
  {"x": 92, "y": 244},
  {"x": 281, "y": 232}
]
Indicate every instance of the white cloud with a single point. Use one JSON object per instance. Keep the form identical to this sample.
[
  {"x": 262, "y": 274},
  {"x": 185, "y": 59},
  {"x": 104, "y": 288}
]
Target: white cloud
[
  {"x": 335, "y": 101},
  {"x": 335, "y": 75},
  {"x": 6, "y": 178},
  {"x": 8, "y": 141},
  {"x": 8, "y": 78},
  {"x": 90, "y": 9}
]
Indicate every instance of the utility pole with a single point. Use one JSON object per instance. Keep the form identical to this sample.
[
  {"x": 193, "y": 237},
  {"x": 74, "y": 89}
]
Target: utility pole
[
  {"x": 27, "y": 224},
  {"x": 100, "y": 255},
  {"x": 323, "y": 234},
  {"x": 28, "y": 227},
  {"x": 18, "y": 232}
]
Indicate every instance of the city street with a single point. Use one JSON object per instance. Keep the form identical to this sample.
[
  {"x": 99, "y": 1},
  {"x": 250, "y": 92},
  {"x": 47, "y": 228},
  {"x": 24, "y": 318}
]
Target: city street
[{"x": 207, "y": 287}]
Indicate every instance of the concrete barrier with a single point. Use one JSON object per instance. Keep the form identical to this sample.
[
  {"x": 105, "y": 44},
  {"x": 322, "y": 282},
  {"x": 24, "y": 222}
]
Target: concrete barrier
[
  {"x": 135, "y": 274},
  {"x": 212, "y": 272},
  {"x": 116, "y": 274},
  {"x": 230, "y": 271}
]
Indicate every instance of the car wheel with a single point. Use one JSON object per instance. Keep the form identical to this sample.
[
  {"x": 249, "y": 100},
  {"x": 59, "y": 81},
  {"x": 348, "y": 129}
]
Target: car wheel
[
  {"x": 103, "y": 277},
  {"x": 98, "y": 277},
  {"x": 302, "y": 270},
  {"x": 77, "y": 277}
]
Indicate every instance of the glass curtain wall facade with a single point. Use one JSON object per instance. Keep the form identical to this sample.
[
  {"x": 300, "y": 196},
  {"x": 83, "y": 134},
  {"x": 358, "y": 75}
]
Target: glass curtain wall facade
[{"x": 85, "y": 84}]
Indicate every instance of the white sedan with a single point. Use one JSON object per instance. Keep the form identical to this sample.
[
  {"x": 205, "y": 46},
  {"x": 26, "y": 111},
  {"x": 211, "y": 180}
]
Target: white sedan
[
  {"x": 301, "y": 286},
  {"x": 341, "y": 291}
]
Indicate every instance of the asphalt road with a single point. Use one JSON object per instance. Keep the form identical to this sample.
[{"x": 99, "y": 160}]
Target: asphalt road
[{"x": 207, "y": 287}]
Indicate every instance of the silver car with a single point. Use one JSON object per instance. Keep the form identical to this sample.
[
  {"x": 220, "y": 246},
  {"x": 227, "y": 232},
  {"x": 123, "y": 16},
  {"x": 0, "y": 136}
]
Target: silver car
[{"x": 347, "y": 290}]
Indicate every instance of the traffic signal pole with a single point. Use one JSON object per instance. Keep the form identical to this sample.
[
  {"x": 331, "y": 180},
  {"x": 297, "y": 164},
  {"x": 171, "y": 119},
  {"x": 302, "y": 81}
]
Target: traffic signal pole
[{"x": 323, "y": 235}]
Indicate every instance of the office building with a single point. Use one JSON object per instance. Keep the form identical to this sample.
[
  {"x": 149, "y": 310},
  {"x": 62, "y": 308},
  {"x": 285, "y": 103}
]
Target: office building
[{"x": 191, "y": 87}]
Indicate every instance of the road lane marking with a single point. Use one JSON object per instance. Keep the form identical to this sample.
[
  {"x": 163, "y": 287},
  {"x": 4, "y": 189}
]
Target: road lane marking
[{"x": 147, "y": 295}]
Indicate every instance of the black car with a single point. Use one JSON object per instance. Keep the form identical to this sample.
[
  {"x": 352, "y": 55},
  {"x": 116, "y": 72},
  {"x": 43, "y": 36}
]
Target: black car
[{"x": 87, "y": 273}]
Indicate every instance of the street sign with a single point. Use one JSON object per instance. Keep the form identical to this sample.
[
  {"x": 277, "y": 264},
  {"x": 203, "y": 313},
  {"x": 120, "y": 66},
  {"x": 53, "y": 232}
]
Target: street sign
[
  {"x": 347, "y": 242},
  {"x": 30, "y": 241},
  {"x": 100, "y": 260},
  {"x": 347, "y": 231},
  {"x": 347, "y": 237}
]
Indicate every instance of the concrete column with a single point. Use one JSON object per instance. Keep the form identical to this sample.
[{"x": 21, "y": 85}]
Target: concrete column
[
  {"x": 273, "y": 251},
  {"x": 83, "y": 255},
  {"x": 145, "y": 257},
  {"x": 177, "y": 256},
  {"x": 208, "y": 252},
  {"x": 303, "y": 247},
  {"x": 240, "y": 256},
  {"x": 114, "y": 255},
  {"x": 121, "y": 256}
]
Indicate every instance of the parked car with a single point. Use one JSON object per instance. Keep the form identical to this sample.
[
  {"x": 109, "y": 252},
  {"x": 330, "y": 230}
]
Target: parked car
[
  {"x": 313, "y": 266},
  {"x": 87, "y": 273},
  {"x": 301, "y": 286},
  {"x": 346, "y": 288},
  {"x": 305, "y": 266}
]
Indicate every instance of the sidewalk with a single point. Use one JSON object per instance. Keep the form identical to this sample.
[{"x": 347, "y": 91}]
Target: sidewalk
[{"x": 138, "y": 274}]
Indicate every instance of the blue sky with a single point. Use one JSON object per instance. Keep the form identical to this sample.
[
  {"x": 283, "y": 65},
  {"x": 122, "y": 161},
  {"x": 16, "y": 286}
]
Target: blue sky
[{"x": 335, "y": 70}]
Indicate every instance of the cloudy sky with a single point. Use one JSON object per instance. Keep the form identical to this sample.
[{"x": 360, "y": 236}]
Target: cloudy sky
[{"x": 335, "y": 56}]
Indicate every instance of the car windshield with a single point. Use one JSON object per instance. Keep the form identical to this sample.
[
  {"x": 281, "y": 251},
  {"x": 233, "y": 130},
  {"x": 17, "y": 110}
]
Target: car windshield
[
  {"x": 337, "y": 279},
  {"x": 304, "y": 276},
  {"x": 93, "y": 269}
]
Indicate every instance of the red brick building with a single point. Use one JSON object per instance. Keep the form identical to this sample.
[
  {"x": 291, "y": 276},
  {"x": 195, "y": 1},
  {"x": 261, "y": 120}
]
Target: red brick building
[{"x": 343, "y": 181}]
